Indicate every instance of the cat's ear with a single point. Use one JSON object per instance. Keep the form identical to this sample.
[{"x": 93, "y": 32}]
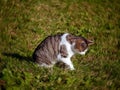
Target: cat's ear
[{"x": 90, "y": 42}]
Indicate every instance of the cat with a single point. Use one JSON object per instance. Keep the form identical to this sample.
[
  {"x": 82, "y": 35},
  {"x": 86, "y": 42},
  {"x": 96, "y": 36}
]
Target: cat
[{"x": 60, "y": 47}]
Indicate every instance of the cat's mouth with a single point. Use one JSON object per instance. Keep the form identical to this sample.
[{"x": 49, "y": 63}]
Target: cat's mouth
[{"x": 83, "y": 52}]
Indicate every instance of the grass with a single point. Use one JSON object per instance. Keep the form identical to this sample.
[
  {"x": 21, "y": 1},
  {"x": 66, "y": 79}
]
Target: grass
[{"x": 25, "y": 23}]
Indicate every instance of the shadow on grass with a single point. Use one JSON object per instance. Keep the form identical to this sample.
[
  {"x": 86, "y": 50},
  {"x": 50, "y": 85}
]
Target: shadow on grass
[
  {"x": 29, "y": 59},
  {"x": 18, "y": 56}
]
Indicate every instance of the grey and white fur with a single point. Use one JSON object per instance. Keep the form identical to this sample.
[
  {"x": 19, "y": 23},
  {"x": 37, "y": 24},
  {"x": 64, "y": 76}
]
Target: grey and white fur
[{"x": 60, "y": 47}]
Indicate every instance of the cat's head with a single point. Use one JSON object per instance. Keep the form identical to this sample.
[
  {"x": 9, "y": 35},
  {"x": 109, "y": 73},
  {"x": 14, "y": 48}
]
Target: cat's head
[{"x": 80, "y": 44}]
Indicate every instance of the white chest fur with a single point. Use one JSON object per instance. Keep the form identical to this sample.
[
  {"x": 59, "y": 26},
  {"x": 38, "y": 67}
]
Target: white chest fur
[
  {"x": 69, "y": 51},
  {"x": 67, "y": 44}
]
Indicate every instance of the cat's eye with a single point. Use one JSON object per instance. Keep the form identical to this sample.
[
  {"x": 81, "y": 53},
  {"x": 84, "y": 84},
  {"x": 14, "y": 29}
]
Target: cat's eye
[{"x": 83, "y": 44}]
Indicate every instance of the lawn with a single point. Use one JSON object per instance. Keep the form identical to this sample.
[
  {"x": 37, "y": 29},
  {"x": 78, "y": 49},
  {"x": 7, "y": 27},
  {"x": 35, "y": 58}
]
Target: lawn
[{"x": 25, "y": 23}]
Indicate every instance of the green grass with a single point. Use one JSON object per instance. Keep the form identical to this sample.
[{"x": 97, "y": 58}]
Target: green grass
[{"x": 25, "y": 23}]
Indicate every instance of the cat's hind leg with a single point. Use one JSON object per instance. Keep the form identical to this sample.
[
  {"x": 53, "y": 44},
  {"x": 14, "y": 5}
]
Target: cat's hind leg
[{"x": 46, "y": 66}]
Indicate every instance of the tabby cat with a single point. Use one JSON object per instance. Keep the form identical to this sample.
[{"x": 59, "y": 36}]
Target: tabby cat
[{"x": 60, "y": 47}]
